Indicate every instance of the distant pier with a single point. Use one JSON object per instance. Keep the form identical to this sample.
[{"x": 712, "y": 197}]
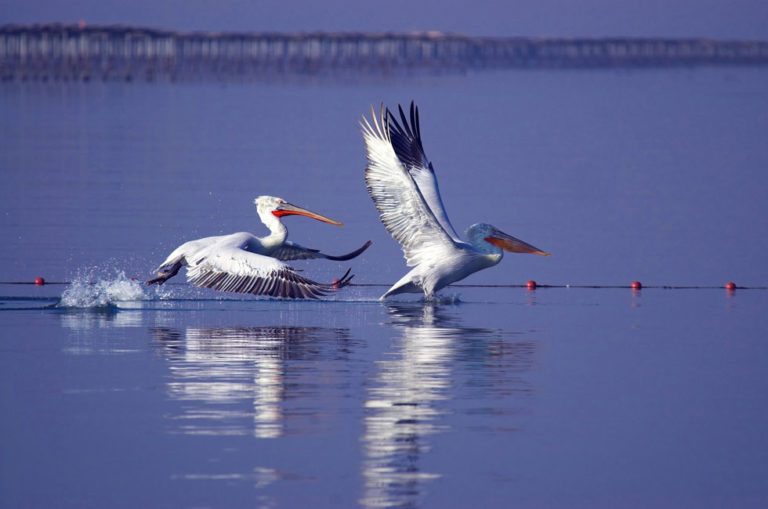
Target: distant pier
[{"x": 80, "y": 53}]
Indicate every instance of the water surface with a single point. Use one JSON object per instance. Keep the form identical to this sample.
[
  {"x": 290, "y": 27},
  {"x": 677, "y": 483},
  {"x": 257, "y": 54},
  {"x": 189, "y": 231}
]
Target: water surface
[{"x": 116, "y": 395}]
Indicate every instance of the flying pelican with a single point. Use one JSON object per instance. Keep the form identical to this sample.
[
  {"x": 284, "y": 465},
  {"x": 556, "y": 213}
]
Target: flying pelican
[
  {"x": 402, "y": 183},
  {"x": 244, "y": 263}
]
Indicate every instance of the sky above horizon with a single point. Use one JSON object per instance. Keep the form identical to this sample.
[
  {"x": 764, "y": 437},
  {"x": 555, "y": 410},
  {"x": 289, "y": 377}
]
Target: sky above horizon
[{"x": 732, "y": 19}]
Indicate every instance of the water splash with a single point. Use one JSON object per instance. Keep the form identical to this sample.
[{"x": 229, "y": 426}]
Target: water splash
[
  {"x": 91, "y": 291},
  {"x": 162, "y": 292}
]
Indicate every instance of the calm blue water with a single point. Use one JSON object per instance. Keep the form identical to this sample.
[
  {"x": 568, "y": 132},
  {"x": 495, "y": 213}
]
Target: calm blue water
[{"x": 119, "y": 396}]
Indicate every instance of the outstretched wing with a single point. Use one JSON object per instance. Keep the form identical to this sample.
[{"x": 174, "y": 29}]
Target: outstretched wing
[
  {"x": 406, "y": 140},
  {"x": 231, "y": 269},
  {"x": 401, "y": 204},
  {"x": 292, "y": 251}
]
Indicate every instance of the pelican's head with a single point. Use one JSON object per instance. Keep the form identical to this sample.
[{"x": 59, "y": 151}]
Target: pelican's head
[
  {"x": 488, "y": 238},
  {"x": 278, "y": 207}
]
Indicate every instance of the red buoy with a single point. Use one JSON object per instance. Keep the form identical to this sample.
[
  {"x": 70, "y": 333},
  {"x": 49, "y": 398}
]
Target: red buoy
[
  {"x": 730, "y": 286},
  {"x": 335, "y": 284},
  {"x": 637, "y": 285},
  {"x": 531, "y": 285},
  {"x": 39, "y": 281}
]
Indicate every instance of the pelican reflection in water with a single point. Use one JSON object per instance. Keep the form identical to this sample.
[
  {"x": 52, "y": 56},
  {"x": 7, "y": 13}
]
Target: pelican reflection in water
[
  {"x": 236, "y": 378},
  {"x": 408, "y": 397}
]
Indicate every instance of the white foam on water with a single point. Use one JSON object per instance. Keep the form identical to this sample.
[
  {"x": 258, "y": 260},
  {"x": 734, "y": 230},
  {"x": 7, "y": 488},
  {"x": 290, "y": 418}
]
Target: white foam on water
[{"x": 89, "y": 290}]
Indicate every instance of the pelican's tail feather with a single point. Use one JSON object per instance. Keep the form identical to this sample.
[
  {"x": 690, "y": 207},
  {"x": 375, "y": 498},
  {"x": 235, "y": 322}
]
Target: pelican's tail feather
[{"x": 407, "y": 284}]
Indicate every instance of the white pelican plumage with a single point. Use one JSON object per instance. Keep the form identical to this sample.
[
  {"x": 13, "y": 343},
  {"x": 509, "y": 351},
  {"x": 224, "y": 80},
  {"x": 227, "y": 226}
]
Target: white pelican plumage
[
  {"x": 244, "y": 263},
  {"x": 402, "y": 183}
]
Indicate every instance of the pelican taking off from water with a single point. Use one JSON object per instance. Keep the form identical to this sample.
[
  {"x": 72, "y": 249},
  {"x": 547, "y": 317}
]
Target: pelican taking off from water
[
  {"x": 244, "y": 263},
  {"x": 402, "y": 183}
]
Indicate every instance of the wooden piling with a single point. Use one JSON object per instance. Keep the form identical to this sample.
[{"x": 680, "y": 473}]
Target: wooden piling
[{"x": 72, "y": 52}]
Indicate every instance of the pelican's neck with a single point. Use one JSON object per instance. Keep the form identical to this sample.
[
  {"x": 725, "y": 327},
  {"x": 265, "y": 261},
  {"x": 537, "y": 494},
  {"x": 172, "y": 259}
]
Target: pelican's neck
[
  {"x": 491, "y": 255},
  {"x": 476, "y": 235},
  {"x": 277, "y": 230}
]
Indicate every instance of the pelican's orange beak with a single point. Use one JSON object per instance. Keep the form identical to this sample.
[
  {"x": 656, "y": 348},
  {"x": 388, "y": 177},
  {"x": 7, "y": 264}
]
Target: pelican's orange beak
[
  {"x": 287, "y": 209},
  {"x": 509, "y": 243}
]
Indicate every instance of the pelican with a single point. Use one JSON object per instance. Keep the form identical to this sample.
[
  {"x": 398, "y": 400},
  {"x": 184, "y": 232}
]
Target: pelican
[
  {"x": 401, "y": 180},
  {"x": 244, "y": 263}
]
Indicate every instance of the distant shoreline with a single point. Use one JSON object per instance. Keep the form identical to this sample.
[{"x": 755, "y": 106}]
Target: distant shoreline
[{"x": 56, "y": 52}]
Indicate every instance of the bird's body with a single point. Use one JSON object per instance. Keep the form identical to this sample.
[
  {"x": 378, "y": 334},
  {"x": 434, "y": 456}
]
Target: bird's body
[
  {"x": 403, "y": 186},
  {"x": 244, "y": 263},
  {"x": 454, "y": 266}
]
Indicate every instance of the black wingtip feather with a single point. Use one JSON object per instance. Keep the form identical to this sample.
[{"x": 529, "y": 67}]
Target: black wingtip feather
[
  {"x": 415, "y": 121},
  {"x": 342, "y": 281},
  {"x": 349, "y": 256},
  {"x": 405, "y": 137},
  {"x": 405, "y": 121}
]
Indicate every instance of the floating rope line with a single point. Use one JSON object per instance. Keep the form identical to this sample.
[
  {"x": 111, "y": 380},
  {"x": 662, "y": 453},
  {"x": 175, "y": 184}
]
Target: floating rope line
[
  {"x": 46, "y": 283},
  {"x": 629, "y": 286},
  {"x": 530, "y": 285}
]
